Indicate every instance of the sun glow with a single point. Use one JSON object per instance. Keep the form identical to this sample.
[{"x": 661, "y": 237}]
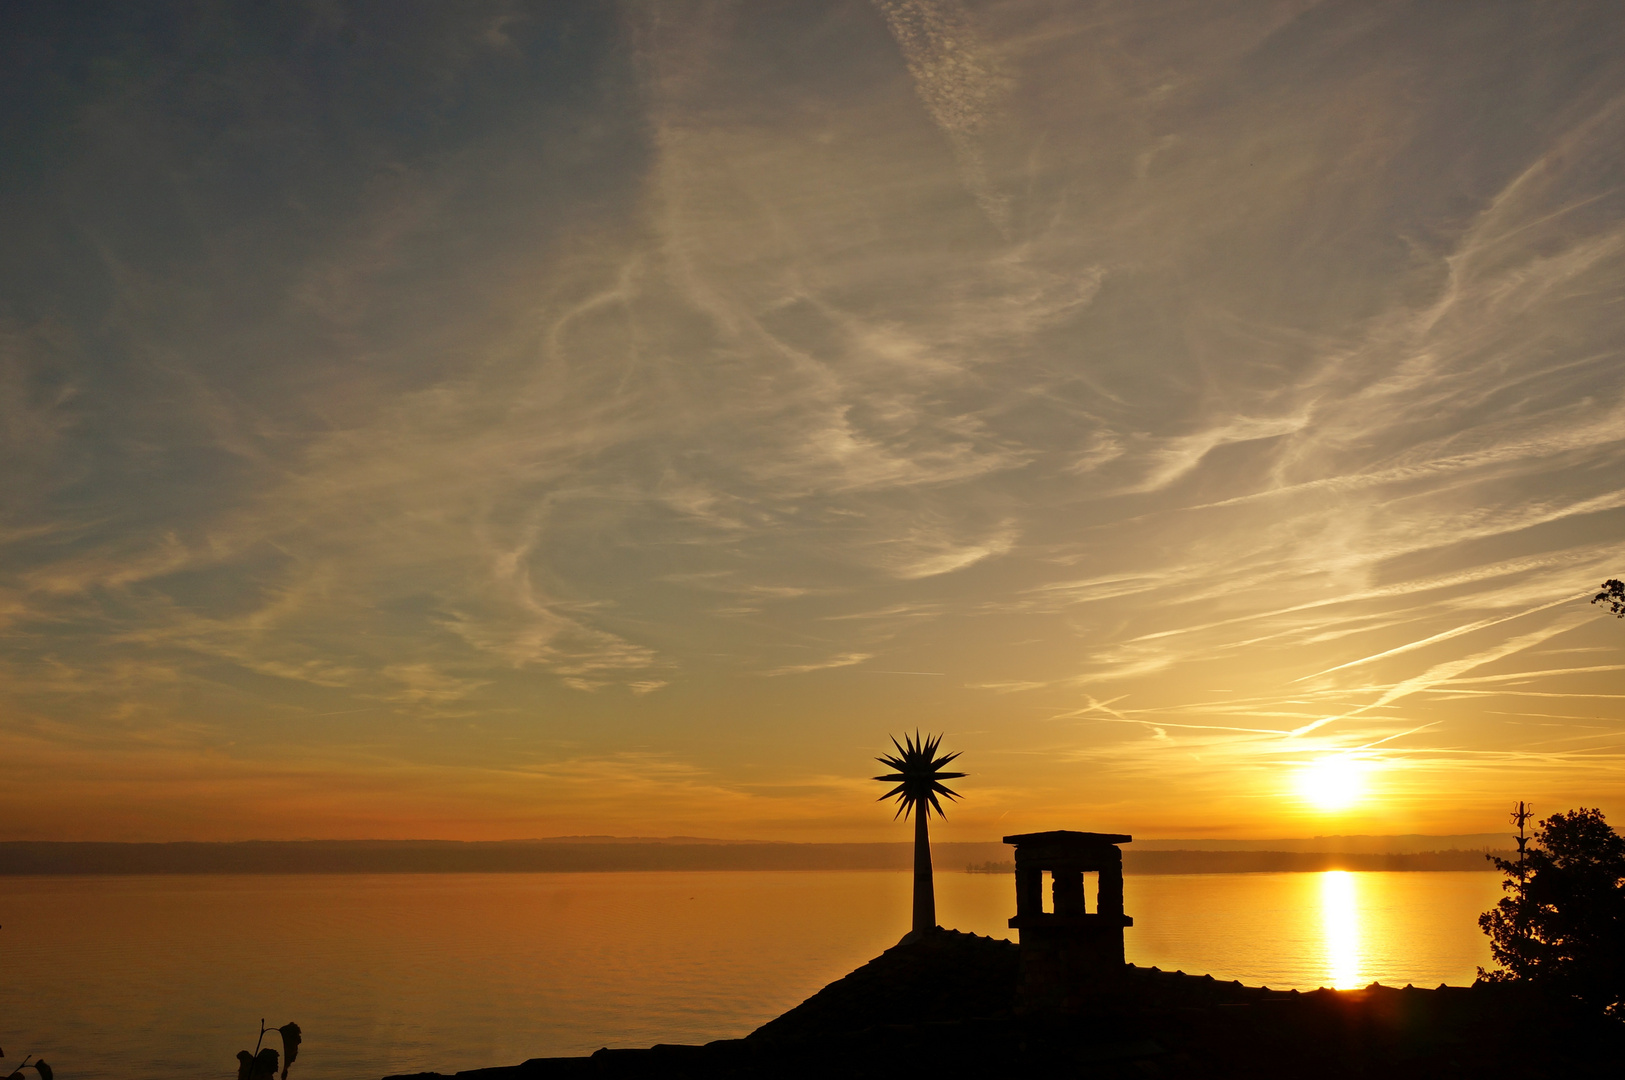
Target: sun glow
[{"x": 1336, "y": 782}]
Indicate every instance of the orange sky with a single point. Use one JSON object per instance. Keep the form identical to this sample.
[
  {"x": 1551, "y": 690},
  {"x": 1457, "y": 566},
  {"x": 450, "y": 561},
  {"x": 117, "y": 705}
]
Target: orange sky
[{"x": 619, "y": 419}]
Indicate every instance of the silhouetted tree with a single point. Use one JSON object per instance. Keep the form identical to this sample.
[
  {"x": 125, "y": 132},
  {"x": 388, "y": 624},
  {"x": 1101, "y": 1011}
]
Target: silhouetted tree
[
  {"x": 1561, "y": 925},
  {"x": 1613, "y": 594},
  {"x": 919, "y": 777}
]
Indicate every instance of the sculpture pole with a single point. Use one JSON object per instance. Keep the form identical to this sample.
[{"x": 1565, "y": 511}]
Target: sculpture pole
[{"x": 925, "y": 896}]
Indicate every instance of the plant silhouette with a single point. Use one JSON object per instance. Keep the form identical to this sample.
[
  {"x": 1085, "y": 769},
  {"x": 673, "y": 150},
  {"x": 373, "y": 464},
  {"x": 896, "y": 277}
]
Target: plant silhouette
[
  {"x": 39, "y": 1066},
  {"x": 261, "y": 1063},
  {"x": 261, "y": 1066},
  {"x": 291, "y": 1038},
  {"x": 918, "y": 775}
]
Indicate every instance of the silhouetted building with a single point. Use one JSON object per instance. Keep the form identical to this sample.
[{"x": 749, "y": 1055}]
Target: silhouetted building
[{"x": 1069, "y": 954}]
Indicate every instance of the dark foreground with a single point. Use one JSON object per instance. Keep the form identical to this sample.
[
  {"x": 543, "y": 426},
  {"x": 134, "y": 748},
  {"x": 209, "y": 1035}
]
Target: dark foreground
[{"x": 944, "y": 1004}]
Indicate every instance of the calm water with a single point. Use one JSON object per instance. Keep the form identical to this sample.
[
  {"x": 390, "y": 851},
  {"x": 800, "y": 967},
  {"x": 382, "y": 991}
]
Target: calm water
[{"x": 162, "y": 976}]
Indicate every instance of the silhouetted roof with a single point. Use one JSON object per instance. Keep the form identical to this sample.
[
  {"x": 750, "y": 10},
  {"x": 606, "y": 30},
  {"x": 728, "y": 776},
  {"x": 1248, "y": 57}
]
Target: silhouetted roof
[
  {"x": 939, "y": 976},
  {"x": 1067, "y": 836},
  {"x": 942, "y": 1005}
]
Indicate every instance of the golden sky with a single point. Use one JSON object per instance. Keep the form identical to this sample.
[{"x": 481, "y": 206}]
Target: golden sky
[{"x": 502, "y": 420}]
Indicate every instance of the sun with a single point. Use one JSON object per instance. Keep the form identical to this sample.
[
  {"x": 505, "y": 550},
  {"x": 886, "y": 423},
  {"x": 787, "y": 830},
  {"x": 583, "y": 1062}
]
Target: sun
[{"x": 1335, "y": 782}]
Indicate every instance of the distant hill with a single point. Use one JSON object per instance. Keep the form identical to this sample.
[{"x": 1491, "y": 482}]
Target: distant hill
[
  {"x": 1256, "y": 862},
  {"x": 633, "y": 840},
  {"x": 1407, "y": 843},
  {"x": 593, "y": 853},
  {"x": 452, "y": 856}
]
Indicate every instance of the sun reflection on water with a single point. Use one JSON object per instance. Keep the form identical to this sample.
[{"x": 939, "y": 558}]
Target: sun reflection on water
[{"x": 1340, "y": 923}]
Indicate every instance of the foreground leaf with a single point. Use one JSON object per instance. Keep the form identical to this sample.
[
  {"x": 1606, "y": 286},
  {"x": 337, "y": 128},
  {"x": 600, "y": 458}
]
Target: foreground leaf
[
  {"x": 250, "y": 1067},
  {"x": 291, "y": 1039}
]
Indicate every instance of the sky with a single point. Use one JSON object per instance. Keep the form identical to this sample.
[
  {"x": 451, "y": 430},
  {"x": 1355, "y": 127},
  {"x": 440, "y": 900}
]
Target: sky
[{"x": 503, "y": 420}]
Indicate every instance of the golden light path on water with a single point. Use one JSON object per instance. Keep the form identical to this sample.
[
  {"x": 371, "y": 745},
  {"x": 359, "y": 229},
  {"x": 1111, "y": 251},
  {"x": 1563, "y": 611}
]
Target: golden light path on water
[
  {"x": 1342, "y": 929},
  {"x": 1340, "y": 923}
]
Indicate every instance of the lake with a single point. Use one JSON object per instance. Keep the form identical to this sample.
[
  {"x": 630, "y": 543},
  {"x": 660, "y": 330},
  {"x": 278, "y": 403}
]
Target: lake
[{"x": 170, "y": 975}]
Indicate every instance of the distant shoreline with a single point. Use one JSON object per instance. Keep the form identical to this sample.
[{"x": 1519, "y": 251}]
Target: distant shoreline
[{"x": 585, "y": 855}]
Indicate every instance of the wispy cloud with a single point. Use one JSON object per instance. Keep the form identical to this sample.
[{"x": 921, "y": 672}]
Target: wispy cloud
[
  {"x": 959, "y": 81},
  {"x": 840, "y": 661},
  {"x": 1199, "y": 391}
]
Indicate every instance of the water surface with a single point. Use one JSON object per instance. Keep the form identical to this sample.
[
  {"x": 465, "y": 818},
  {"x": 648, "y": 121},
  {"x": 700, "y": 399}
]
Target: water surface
[{"x": 164, "y": 976}]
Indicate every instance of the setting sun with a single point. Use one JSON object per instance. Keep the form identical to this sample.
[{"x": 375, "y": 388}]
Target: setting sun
[{"x": 1336, "y": 782}]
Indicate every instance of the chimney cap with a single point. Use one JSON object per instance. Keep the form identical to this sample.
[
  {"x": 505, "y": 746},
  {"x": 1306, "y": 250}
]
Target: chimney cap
[{"x": 1070, "y": 838}]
